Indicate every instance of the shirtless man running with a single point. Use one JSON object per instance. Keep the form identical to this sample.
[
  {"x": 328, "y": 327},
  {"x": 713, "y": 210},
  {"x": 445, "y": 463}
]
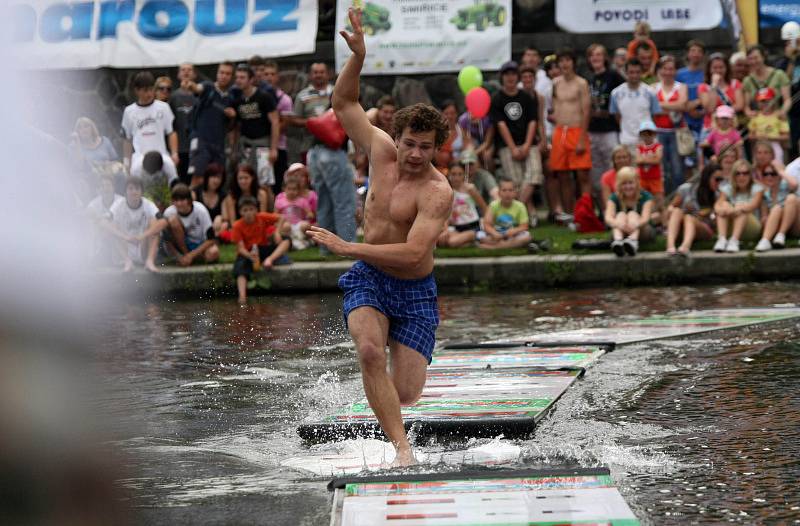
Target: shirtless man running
[
  {"x": 571, "y": 149},
  {"x": 390, "y": 293}
]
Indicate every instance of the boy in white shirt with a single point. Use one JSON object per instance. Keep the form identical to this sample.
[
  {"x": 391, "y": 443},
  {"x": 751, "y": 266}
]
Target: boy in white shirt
[
  {"x": 131, "y": 222},
  {"x": 145, "y": 123},
  {"x": 191, "y": 231}
]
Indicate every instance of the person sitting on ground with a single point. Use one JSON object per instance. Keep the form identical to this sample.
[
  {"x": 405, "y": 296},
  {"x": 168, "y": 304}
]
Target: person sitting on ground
[
  {"x": 506, "y": 220},
  {"x": 157, "y": 182},
  {"x": 620, "y": 158},
  {"x": 738, "y": 208},
  {"x": 131, "y": 221},
  {"x": 690, "y": 211},
  {"x": 723, "y": 134},
  {"x": 648, "y": 160},
  {"x": 778, "y": 210},
  {"x": 212, "y": 195},
  {"x": 482, "y": 179},
  {"x": 258, "y": 242},
  {"x": 99, "y": 209},
  {"x": 245, "y": 184},
  {"x": 464, "y": 226},
  {"x": 190, "y": 229},
  {"x": 628, "y": 213},
  {"x": 297, "y": 212},
  {"x": 766, "y": 124}
]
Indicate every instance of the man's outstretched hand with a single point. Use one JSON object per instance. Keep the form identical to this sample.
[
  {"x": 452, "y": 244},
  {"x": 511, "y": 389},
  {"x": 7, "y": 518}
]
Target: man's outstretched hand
[
  {"x": 328, "y": 239},
  {"x": 355, "y": 40}
]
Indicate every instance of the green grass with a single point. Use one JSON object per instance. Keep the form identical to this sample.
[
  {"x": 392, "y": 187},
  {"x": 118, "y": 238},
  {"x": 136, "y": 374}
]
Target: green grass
[{"x": 560, "y": 239}]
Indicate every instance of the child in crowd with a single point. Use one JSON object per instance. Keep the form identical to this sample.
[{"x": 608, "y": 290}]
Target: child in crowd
[
  {"x": 738, "y": 208},
  {"x": 506, "y": 220},
  {"x": 132, "y": 222},
  {"x": 464, "y": 226},
  {"x": 99, "y": 209},
  {"x": 690, "y": 211},
  {"x": 297, "y": 212},
  {"x": 768, "y": 125},
  {"x": 258, "y": 242},
  {"x": 723, "y": 134},
  {"x": 300, "y": 172},
  {"x": 190, "y": 229},
  {"x": 779, "y": 209},
  {"x": 648, "y": 159},
  {"x": 156, "y": 181},
  {"x": 628, "y": 213}
]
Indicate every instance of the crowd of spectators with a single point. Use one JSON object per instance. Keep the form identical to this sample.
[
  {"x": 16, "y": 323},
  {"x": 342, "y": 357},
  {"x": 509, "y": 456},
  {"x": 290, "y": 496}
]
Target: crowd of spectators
[{"x": 633, "y": 141}]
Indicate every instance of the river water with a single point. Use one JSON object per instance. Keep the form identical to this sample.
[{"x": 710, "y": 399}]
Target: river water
[{"x": 207, "y": 395}]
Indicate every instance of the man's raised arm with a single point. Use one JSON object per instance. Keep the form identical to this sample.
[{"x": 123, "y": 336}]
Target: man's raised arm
[{"x": 345, "y": 93}]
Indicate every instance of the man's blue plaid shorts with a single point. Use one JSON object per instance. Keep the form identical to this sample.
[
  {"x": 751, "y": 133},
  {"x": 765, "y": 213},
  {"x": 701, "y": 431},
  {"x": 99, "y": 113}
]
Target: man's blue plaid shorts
[{"x": 410, "y": 304}]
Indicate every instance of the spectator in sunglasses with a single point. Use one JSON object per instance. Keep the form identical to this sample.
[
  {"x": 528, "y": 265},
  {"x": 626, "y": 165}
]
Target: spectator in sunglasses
[
  {"x": 779, "y": 209},
  {"x": 163, "y": 88},
  {"x": 690, "y": 212},
  {"x": 738, "y": 208}
]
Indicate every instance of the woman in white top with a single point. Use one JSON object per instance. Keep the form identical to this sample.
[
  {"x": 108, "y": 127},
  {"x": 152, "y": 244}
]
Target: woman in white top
[{"x": 672, "y": 97}]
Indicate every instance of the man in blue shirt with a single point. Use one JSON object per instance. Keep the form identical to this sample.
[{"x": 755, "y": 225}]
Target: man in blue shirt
[
  {"x": 211, "y": 115},
  {"x": 693, "y": 75}
]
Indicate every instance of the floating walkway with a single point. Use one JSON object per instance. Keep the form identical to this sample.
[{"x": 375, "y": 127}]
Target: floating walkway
[{"x": 493, "y": 388}]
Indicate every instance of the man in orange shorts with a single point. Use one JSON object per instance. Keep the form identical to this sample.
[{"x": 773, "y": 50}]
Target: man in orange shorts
[{"x": 571, "y": 149}]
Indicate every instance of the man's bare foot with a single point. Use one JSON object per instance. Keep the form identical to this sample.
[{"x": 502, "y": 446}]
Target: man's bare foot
[
  {"x": 403, "y": 458},
  {"x": 128, "y": 266},
  {"x": 243, "y": 300},
  {"x": 150, "y": 266}
]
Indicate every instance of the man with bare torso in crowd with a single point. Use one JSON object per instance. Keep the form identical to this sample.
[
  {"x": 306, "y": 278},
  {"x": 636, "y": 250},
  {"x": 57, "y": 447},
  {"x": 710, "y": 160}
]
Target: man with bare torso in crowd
[
  {"x": 390, "y": 294},
  {"x": 571, "y": 148}
]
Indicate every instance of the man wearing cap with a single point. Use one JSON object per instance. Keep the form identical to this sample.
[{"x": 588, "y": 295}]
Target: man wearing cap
[
  {"x": 790, "y": 34},
  {"x": 484, "y": 181},
  {"x": 514, "y": 114}
]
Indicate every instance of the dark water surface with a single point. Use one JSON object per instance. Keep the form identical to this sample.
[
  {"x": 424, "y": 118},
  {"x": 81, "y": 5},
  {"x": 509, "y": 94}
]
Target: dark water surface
[{"x": 704, "y": 430}]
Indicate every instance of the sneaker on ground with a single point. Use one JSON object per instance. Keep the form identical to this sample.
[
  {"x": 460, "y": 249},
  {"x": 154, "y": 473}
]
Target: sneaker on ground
[
  {"x": 732, "y": 245},
  {"x": 564, "y": 218},
  {"x": 617, "y": 247},
  {"x": 763, "y": 245},
  {"x": 779, "y": 241},
  {"x": 720, "y": 245},
  {"x": 533, "y": 221},
  {"x": 630, "y": 246}
]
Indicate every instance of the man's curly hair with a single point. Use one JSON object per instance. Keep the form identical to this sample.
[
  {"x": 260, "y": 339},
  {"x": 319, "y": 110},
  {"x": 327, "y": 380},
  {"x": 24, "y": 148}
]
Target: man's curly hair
[{"x": 422, "y": 118}]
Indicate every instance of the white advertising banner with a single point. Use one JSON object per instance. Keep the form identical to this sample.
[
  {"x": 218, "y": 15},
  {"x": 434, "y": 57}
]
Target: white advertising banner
[
  {"x": 427, "y": 36},
  {"x": 619, "y": 16},
  {"x": 146, "y": 33}
]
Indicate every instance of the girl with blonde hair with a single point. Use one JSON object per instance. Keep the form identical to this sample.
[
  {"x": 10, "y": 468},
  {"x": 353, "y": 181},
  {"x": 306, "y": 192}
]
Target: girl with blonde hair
[
  {"x": 738, "y": 208},
  {"x": 628, "y": 213}
]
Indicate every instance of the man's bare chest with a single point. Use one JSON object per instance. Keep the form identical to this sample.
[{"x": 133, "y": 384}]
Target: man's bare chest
[{"x": 392, "y": 203}]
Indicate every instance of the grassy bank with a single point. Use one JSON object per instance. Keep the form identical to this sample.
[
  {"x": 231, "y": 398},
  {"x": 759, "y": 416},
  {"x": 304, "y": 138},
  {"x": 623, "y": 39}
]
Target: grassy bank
[{"x": 560, "y": 241}]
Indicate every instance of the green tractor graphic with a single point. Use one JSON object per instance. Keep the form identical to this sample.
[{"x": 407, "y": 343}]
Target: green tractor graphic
[
  {"x": 481, "y": 14},
  {"x": 374, "y": 18}
]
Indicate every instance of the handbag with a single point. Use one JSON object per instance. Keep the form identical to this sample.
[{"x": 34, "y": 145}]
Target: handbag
[
  {"x": 686, "y": 143},
  {"x": 327, "y": 129}
]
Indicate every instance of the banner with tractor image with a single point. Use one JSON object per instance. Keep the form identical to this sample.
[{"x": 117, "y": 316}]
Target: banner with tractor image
[{"x": 428, "y": 36}]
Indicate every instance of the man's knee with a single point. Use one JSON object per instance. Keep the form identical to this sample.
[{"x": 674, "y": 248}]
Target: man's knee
[{"x": 371, "y": 356}]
